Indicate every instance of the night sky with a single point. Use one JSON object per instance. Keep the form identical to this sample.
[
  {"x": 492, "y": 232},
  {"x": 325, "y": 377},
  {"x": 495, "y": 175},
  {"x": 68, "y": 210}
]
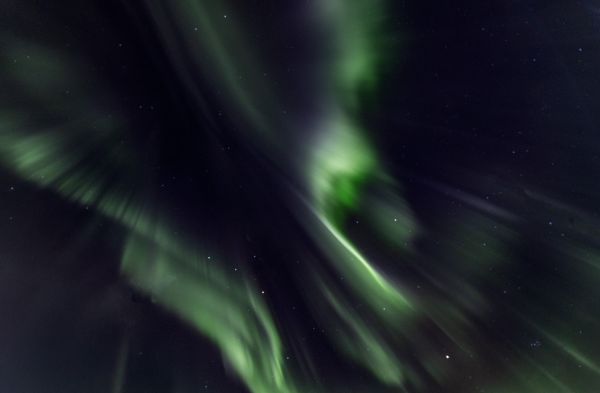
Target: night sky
[{"x": 309, "y": 196}]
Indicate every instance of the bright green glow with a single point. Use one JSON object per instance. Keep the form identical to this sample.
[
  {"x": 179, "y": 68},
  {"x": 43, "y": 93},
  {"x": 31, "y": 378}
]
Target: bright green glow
[{"x": 343, "y": 162}]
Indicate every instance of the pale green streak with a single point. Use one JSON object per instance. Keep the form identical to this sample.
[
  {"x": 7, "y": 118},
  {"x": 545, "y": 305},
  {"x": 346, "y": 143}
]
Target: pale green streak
[
  {"x": 359, "y": 46},
  {"x": 363, "y": 344},
  {"x": 213, "y": 37},
  {"x": 228, "y": 311},
  {"x": 121, "y": 366}
]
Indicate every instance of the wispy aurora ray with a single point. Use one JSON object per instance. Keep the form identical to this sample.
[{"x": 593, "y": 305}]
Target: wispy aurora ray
[{"x": 227, "y": 311}]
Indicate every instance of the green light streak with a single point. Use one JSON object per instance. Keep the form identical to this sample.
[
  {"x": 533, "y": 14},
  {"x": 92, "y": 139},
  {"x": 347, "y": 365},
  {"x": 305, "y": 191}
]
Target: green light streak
[
  {"x": 121, "y": 365},
  {"x": 362, "y": 344},
  {"x": 228, "y": 311},
  {"x": 221, "y": 53},
  {"x": 373, "y": 287}
]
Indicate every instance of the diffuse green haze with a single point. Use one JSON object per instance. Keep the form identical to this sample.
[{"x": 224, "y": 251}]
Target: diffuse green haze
[{"x": 360, "y": 48}]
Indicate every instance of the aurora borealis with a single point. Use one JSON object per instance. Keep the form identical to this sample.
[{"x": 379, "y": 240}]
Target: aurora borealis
[{"x": 299, "y": 196}]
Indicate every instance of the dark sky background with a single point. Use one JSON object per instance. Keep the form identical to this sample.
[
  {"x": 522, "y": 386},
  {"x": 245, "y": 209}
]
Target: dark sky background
[{"x": 485, "y": 115}]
